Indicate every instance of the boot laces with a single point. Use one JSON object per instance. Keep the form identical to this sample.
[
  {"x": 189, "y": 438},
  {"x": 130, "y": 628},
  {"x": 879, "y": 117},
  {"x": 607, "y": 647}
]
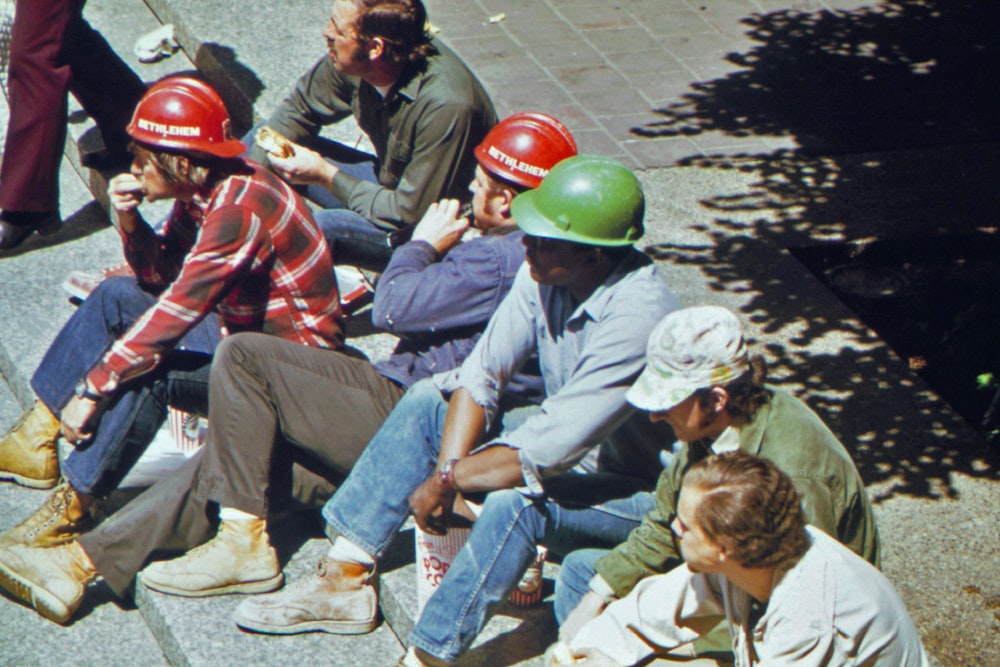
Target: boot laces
[{"x": 48, "y": 515}]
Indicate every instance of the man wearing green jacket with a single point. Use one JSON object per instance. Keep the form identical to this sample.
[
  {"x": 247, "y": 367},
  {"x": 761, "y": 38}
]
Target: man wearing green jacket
[{"x": 700, "y": 379}]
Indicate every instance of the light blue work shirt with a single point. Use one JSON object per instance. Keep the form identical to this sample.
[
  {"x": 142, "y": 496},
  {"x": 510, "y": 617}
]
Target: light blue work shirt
[{"x": 590, "y": 353}]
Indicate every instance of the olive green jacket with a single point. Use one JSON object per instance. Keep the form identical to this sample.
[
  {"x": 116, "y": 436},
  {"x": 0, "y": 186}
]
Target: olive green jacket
[
  {"x": 791, "y": 435},
  {"x": 423, "y": 132}
]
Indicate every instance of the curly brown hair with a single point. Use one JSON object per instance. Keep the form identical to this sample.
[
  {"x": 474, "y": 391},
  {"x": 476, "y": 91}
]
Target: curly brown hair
[
  {"x": 401, "y": 24},
  {"x": 750, "y": 507},
  {"x": 746, "y": 393}
]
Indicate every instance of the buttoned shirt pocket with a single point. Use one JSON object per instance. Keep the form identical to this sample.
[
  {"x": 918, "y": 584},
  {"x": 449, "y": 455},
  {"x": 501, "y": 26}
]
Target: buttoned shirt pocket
[{"x": 399, "y": 153}]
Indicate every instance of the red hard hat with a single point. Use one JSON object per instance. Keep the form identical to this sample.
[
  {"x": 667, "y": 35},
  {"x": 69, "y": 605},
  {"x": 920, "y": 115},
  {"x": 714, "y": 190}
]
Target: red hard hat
[
  {"x": 185, "y": 114},
  {"x": 523, "y": 147}
]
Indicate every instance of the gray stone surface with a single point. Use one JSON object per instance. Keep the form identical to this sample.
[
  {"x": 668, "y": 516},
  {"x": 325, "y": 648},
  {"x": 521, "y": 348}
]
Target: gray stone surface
[{"x": 760, "y": 126}]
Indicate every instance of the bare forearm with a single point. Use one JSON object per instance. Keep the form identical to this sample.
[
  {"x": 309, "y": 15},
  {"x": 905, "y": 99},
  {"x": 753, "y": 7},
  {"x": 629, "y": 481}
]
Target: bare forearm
[
  {"x": 464, "y": 426},
  {"x": 494, "y": 468}
]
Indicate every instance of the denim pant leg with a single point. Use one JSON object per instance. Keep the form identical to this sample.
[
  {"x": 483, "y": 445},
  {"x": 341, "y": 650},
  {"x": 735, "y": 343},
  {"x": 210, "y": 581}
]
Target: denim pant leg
[
  {"x": 353, "y": 239},
  {"x": 575, "y": 573},
  {"x": 104, "y": 316},
  {"x": 373, "y": 502},
  {"x": 131, "y": 418},
  {"x": 502, "y": 544}
]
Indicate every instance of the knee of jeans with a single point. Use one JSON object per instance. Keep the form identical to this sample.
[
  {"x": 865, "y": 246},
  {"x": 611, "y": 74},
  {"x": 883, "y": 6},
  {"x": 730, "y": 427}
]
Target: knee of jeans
[
  {"x": 120, "y": 299},
  {"x": 573, "y": 580},
  {"x": 422, "y": 392},
  {"x": 504, "y": 503},
  {"x": 116, "y": 289}
]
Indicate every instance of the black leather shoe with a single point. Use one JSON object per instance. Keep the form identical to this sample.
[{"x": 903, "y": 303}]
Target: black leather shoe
[{"x": 16, "y": 226}]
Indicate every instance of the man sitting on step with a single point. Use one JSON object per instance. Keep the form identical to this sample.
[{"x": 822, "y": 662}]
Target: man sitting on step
[
  {"x": 584, "y": 302},
  {"x": 274, "y": 402},
  {"x": 419, "y": 104},
  {"x": 240, "y": 251},
  {"x": 787, "y": 592}
]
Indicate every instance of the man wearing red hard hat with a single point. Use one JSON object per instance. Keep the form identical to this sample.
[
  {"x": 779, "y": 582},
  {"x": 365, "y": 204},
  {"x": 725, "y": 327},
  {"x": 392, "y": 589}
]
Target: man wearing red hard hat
[
  {"x": 436, "y": 294},
  {"x": 239, "y": 251}
]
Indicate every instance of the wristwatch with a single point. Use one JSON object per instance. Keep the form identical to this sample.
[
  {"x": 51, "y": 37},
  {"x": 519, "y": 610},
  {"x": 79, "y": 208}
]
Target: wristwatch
[
  {"x": 83, "y": 391},
  {"x": 446, "y": 475}
]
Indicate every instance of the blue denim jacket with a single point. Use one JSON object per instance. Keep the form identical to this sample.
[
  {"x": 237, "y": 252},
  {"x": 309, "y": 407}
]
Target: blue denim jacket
[{"x": 439, "y": 306}]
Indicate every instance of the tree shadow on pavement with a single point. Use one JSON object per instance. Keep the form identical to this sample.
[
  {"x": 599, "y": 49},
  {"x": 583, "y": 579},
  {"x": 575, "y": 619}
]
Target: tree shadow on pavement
[{"x": 896, "y": 134}]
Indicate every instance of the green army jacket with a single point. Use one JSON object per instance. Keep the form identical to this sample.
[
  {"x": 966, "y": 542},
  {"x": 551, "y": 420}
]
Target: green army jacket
[
  {"x": 423, "y": 131},
  {"x": 791, "y": 435}
]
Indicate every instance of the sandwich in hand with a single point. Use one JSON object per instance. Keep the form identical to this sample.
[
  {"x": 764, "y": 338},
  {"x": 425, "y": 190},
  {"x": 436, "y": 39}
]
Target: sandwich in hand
[{"x": 273, "y": 143}]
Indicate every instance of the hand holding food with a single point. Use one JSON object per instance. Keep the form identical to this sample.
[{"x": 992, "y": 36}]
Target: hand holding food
[{"x": 273, "y": 143}]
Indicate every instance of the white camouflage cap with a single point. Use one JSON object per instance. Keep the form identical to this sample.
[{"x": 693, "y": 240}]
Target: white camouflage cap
[{"x": 690, "y": 349}]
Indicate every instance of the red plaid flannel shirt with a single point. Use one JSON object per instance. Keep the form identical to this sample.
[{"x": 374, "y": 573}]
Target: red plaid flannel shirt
[{"x": 248, "y": 248}]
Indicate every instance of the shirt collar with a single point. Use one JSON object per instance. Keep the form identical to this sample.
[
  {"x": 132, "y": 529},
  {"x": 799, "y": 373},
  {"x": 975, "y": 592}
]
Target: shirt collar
[
  {"x": 752, "y": 434},
  {"x": 728, "y": 441},
  {"x": 594, "y": 305},
  {"x": 410, "y": 82}
]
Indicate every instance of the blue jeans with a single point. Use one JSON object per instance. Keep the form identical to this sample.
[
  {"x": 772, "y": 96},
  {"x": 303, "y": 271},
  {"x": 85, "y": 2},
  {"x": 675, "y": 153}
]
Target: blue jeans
[
  {"x": 372, "y": 504},
  {"x": 129, "y": 419},
  {"x": 575, "y": 573},
  {"x": 353, "y": 238}
]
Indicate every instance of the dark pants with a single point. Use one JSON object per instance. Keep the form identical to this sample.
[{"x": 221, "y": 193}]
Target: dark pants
[
  {"x": 288, "y": 422},
  {"x": 130, "y": 419},
  {"x": 54, "y": 50}
]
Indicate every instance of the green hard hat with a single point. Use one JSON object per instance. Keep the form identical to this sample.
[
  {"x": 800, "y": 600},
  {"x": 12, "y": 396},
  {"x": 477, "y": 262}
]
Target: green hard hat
[{"x": 585, "y": 199}]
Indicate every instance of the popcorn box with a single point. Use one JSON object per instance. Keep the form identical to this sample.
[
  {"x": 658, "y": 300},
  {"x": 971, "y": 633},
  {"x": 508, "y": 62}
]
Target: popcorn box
[{"x": 435, "y": 554}]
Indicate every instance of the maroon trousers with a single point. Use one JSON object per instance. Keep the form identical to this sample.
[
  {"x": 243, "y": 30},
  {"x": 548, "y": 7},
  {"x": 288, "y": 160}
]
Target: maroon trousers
[{"x": 54, "y": 50}]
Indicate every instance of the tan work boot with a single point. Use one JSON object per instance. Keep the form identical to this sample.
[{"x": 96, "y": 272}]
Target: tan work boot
[
  {"x": 64, "y": 517},
  {"x": 28, "y": 450},
  {"x": 239, "y": 559},
  {"x": 50, "y": 580},
  {"x": 338, "y": 598}
]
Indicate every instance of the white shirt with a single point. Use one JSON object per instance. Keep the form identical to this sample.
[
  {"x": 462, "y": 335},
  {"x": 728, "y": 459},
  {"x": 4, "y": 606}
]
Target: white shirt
[{"x": 830, "y": 608}]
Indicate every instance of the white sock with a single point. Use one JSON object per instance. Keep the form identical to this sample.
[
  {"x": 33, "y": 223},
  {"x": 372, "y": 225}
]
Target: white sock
[
  {"x": 233, "y": 514},
  {"x": 344, "y": 550}
]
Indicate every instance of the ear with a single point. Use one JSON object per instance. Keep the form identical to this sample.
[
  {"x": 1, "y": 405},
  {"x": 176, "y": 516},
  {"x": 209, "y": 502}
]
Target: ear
[
  {"x": 376, "y": 48},
  {"x": 184, "y": 166},
  {"x": 719, "y": 398},
  {"x": 506, "y": 196}
]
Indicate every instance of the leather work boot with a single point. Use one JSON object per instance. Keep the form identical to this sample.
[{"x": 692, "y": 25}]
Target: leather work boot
[
  {"x": 50, "y": 580},
  {"x": 338, "y": 598},
  {"x": 64, "y": 517},
  {"x": 239, "y": 559},
  {"x": 28, "y": 450}
]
